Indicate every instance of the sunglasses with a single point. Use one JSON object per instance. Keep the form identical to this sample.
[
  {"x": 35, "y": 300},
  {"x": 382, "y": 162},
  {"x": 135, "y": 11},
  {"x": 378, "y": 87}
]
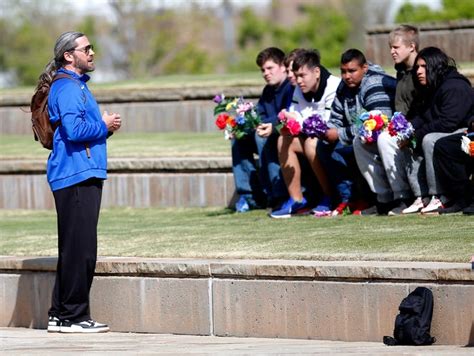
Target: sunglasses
[{"x": 85, "y": 49}]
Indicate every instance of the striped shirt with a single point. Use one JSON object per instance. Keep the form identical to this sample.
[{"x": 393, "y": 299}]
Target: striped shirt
[{"x": 376, "y": 92}]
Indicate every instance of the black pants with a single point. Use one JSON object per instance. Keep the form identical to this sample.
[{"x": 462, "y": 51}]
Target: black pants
[
  {"x": 453, "y": 168},
  {"x": 77, "y": 210}
]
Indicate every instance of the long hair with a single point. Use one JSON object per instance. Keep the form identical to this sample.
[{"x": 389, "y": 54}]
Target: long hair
[
  {"x": 65, "y": 43},
  {"x": 438, "y": 65}
]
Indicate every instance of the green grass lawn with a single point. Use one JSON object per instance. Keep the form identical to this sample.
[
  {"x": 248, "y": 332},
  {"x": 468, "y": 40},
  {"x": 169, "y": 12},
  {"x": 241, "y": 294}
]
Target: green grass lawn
[
  {"x": 169, "y": 144},
  {"x": 220, "y": 233}
]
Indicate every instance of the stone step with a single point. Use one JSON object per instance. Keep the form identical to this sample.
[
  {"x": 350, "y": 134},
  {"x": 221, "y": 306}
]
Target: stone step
[
  {"x": 325, "y": 300},
  {"x": 141, "y": 182},
  {"x": 124, "y": 165}
]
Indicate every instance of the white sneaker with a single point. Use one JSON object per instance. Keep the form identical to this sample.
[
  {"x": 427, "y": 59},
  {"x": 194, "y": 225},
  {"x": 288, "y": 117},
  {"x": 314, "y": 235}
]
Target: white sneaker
[
  {"x": 87, "y": 326},
  {"x": 415, "y": 207},
  {"x": 433, "y": 206},
  {"x": 54, "y": 325}
]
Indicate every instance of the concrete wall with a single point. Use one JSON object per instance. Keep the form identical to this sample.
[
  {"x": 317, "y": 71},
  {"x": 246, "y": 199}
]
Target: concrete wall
[
  {"x": 140, "y": 183},
  {"x": 350, "y": 301},
  {"x": 142, "y": 109},
  {"x": 160, "y": 116}
]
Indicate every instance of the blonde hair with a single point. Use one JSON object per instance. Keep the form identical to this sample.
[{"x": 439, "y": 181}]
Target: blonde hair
[{"x": 407, "y": 33}]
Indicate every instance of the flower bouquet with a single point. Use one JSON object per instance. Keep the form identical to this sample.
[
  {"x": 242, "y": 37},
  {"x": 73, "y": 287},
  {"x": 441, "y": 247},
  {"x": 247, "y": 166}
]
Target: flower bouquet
[
  {"x": 315, "y": 126},
  {"x": 289, "y": 122},
  {"x": 307, "y": 122},
  {"x": 236, "y": 116},
  {"x": 401, "y": 128},
  {"x": 372, "y": 123},
  {"x": 467, "y": 145}
]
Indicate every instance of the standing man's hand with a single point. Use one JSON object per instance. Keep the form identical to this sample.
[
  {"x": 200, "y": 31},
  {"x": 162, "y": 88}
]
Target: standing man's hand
[
  {"x": 265, "y": 130},
  {"x": 112, "y": 121}
]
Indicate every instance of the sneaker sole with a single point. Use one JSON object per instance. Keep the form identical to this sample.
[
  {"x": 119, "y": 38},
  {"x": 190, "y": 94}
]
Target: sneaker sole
[
  {"x": 430, "y": 213},
  {"x": 280, "y": 216},
  {"x": 411, "y": 212},
  {"x": 54, "y": 329},
  {"x": 321, "y": 214},
  {"x": 79, "y": 330}
]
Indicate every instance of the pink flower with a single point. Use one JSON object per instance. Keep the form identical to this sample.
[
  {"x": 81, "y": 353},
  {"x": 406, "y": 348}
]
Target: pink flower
[
  {"x": 293, "y": 126},
  {"x": 243, "y": 108},
  {"x": 282, "y": 116}
]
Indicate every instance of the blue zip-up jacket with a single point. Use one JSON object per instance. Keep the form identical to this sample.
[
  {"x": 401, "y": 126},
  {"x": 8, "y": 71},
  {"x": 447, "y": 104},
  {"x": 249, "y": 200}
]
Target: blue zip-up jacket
[
  {"x": 273, "y": 100},
  {"x": 81, "y": 126}
]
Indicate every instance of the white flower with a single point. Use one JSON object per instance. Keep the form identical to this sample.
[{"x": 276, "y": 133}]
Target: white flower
[{"x": 465, "y": 144}]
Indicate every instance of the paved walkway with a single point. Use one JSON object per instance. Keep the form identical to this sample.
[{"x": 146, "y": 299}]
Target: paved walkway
[{"x": 22, "y": 341}]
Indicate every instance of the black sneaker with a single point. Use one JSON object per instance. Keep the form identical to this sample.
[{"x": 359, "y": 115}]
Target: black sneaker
[
  {"x": 87, "y": 326},
  {"x": 455, "y": 208},
  {"x": 398, "y": 209},
  {"x": 54, "y": 325},
  {"x": 369, "y": 211}
]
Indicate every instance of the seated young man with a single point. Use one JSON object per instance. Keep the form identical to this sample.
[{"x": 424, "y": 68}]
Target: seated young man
[
  {"x": 265, "y": 185},
  {"x": 288, "y": 61},
  {"x": 454, "y": 165},
  {"x": 382, "y": 163},
  {"x": 314, "y": 94},
  {"x": 447, "y": 104},
  {"x": 364, "y": 87}
]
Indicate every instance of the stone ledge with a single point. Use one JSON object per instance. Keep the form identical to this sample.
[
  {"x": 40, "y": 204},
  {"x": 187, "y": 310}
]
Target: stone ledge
[
  {"x": 165, "y": 164},
  {"x": 261, "y": 269}
]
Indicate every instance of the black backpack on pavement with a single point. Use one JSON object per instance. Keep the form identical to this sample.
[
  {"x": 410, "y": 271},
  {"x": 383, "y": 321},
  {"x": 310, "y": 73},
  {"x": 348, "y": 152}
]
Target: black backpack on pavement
[{"x": 413, "y": 323}]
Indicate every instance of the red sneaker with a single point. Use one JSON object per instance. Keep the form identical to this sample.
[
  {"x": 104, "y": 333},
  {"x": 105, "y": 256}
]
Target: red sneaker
[{"x": 340, "y": 209}]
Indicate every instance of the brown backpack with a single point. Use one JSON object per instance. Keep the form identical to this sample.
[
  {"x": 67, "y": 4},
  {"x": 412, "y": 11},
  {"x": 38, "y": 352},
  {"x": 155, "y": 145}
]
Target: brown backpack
[{"x": 42, "y": 129}]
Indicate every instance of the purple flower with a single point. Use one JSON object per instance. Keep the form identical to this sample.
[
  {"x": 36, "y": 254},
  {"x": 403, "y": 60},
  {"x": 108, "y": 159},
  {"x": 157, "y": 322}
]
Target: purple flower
[
  {"x": 314, "y": 126},
  {"x": 399, "y": 126},
  {"x": 218, "y": 98}
]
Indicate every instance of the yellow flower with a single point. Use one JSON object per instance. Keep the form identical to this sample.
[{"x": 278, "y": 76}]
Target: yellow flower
[
  {"x": 232, "y": 104},
  {"x": 370, "y": 124}
]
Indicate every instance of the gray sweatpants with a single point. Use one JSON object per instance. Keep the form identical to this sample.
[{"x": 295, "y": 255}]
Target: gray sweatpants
[
  {"x": 428, "y": 183},
  {"x": 384, "y": 167}
]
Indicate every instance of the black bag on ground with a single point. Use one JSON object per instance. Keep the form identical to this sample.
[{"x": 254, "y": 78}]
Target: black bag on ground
[{"x": 413, "y": 323}]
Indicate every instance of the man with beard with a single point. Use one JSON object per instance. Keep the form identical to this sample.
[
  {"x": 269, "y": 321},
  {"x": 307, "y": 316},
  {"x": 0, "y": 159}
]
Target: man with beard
[{"x": 76, "y": 169}]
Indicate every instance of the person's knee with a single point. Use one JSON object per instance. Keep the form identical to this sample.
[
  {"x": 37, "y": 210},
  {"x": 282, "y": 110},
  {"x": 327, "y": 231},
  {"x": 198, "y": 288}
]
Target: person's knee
[
  {"x": 429, "y": 141},
  {"x": 386, "y": 142}
]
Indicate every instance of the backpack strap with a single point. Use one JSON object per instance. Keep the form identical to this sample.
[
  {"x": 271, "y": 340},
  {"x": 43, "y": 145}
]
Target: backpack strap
[{"x": 62, "y": 76}]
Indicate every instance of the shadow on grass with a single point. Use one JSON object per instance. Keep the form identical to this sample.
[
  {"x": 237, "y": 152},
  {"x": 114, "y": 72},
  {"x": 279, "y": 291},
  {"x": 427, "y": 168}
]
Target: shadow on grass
[{"x": 226, "y": 211}]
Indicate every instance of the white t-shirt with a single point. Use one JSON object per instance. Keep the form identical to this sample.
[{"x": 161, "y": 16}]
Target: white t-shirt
[{"x": 304, "y": 108}]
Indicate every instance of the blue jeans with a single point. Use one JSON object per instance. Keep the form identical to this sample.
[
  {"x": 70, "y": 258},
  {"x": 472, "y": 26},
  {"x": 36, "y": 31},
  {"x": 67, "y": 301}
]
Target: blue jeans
[
  {"x": 339, "y": 162},
  {"x": 263, "y": 182}
]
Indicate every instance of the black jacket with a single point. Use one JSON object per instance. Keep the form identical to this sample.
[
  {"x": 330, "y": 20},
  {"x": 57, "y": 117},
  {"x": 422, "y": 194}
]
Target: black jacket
[{"x": 450, "y": 107}]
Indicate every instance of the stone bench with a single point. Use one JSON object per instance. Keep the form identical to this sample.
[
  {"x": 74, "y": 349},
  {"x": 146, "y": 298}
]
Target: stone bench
[{"x": 327, "y": 300}]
